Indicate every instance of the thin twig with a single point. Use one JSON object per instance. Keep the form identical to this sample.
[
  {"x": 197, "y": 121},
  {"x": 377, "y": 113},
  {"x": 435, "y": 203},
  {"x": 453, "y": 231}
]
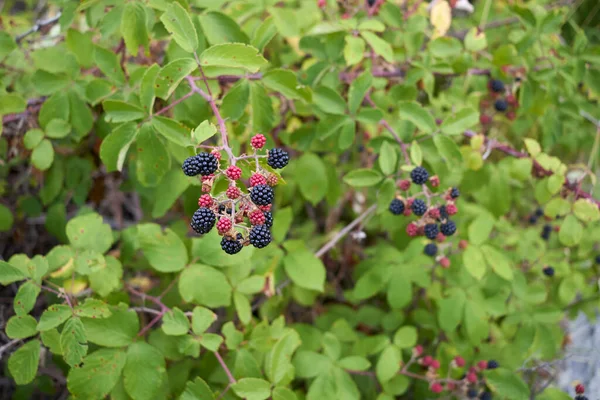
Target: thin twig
[
  {"x": 225, "y": 368},
  {"x": 38, "y": 25},
  {"x": 8, "y": 346}
]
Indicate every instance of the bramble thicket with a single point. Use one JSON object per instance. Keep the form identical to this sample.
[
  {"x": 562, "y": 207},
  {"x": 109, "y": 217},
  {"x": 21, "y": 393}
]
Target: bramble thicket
[{"x": 296, "y": 199}]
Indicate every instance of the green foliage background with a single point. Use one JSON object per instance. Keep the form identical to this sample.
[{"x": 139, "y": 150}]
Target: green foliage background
[{"x": 113, "y": 297}]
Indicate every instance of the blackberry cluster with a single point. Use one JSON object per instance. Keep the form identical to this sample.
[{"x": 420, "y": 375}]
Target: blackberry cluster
[
  {"x": 548, "y": 271},
  {"x": 501, "y": 105},
  {"x": 430, "y": 249},
  {"x": 203, "y": 220},
  {"x": 230, "y": 245},
  {"x": 492, "y": 364},
  {"x": 200, "y": 164},
  {"x": 449, "y": 228},
  {"x": 269, "y": 219},
  {"x": 260, "y": 236},
  {"x": 431, "y": 231},
  {"x": 278, "y": 158},
  {"x": 418, "y": 207},
  {"x": 396, "y": 207},
  {"x": 419, "y": 175},
  {"x": 261, "y": 195}
]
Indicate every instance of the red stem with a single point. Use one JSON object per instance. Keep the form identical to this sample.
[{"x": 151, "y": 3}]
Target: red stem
[{"x": 225, "y": 368}]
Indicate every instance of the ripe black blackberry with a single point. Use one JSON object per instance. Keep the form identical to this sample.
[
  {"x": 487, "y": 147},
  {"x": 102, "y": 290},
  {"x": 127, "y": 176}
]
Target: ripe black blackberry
[
  {"x": 431, "y": 231},
  {"x": 454, "y": 193},
  {"x": 430, "y": 249},
  {"x": 492, "y": 364},
  {"x": 500, "y": 105},
  {"x": 533, "y": 219},
  {"x": 371, "y": 3},
  {"x": 268, "y": 219},
  {"x": 548, "y": 271},
  {"x": 443, "y": 212},
  {"x": 472, "y": 393},
  {"x": 262, "y": 195},
  {"x": 497, "y": 86},
  {"x": 539, "y": 212},
  {"x": 260, "y": 236},
  {"x": 396, "y": 207},
  {"x": 448, "y": 228},
  {"x": 418, "y": 207},
  {"x": 278, "y": 158},
  {"x": 203, "y": 220},
  {"x": 231, "y": 245},
  {"x": 546, "y": 230},
  {"x": 203, "y": 164},
  {"x": 581, "y": 397},
  {"x": 485, "y": 396},
  {"x": 419, "y": 175},
  {"x": 598, "y": 259}
]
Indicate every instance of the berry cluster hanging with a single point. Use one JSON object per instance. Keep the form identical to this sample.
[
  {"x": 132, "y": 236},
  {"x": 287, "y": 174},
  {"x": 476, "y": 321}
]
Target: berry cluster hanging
[{"x": 241, "y": 218}]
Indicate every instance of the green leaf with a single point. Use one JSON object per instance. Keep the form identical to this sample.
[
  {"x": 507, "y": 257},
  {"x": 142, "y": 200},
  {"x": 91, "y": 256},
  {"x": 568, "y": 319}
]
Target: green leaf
[
  {"x": 171, "y": 75},
  {"x": 55, "y": 315},
  {"x": 380, "y": 46},
  {"x": 311, "y": 175},
  {"x": 7, "y": 44},
  {"x": 498, "y": 261},
  {"x": 153, "y": 160},
  {"x": 115, "y": 146},
  {"x": 233, "y": 55},
  {"x": 507, "y": 384},
  {"x": 285, "y": 82},
  {"x": 262, "y": 109},
  {"x": 170, "y": 189},
  {"x": 164, "y": 250},
  {"x": 32, "y": 138},
  {"x": 220, "y": 28},
  {"x": 42, "y": 156},
  {"x": 47, "y": 83},
  {"x": 242, "y": 307},
  {"x": 175, "y": 323},
  {"x": 448, "y": 149},
  {"x": 148, "y": 89},
  {"x": 264, "y": 33},
  {"x": 557, "y": 207},
  {"x": 354, "y": 50},
  {"x": 458, "y": 123},
  {"x": 99, "y": 374},
  {"x": 107, "y": 278},
  {"x": 109, "y": 64},
  {"x": 204, "y": 131},
  {"x": 73, "y": 342},
  {"x": 57, "y": 129},
  {"x": 56, "y": 106},
  {"x": 280, "y": 358},
  {"x": 571, "y": 231},
  {"x": 51, "y": 340},
  {"x": 98, "y": 90},
  {"x": 211, "y": 341},
  {"x": 12, "y": 103},
  {"x": 305, "y": 270},
  {"x": 197, "y": 390},
  {"x": 120, "y": 111},
  {"x": 450, "y": 311},
  {"x": 177, "y": 21},
  {"x": 416, "y": 154},
  {"x": 586, "y": 211},
  {"x": 445, "y": 47},
  {"x": 354, "y": 363},
  {"x": 172, "y": 130},
  {"x": 20, "y": 327},
  {"x": 282, "y": 393},
  {"x": 25, "y": 298},
  {"x": 118, "y": 330},
  {"x": 474, "y": 262},
  {"x": 144, "y": 372},
  {"x": 93, "y": 308},
  {"x": 10, "y": 274},
  {"x": 358, "y": 90},
  {"x": 202, "y": 318},
  {"x": 89, "y": 232},
  {"x": 481, "y": 228},
  {"x": 406, "y": 337},
  {"x": 388, "y": 158},
  {"x": 6, "y": 222},
  {"x": 533, "y": 147},
  {"x": 235, "y": 102},
  {"x": 133, "y": 27},
  {"x": 389, "y": 363},
  {"x": 252, "y": 388},
  {"x": 329, "y": 101},
  {"x": 475, "y": 40},
  {"x": 415, "y": 113},
  {"x": 23, "y": 363},
  {"x": 205, "y": 285},
  {"x": 363, "y": 178},
  {"x": 476, "y": 322},
  {"x": 309, "y": 364}
]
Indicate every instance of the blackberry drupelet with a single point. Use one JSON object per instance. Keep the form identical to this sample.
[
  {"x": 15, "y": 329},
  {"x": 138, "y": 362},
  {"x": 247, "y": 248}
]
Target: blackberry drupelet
[
  {"x": 497, "y": 86},
  {"x": 419, "y": 175},
  {"x": 231, "y": 245},
  {"x": 454, "y": 193},
  {"x": 431, "y": 231},
  {"x": 492, "y": 364},
  {"x": 260, "y": 236},
  {"x": 269, "y": 219},
  {"x": 449, "y": 228},
  {"x": 548, "y": 271},
  {"x": 261, "y": 195},
  {"x": 278, "y": 158},
  {"x": 430, "y": 249},
  {"x": 396, "y": 207},
  {"x": 203, "y": 164},
  {"x": 418, "y": 207},
  {"x": 501, "y": 105},
  {"x": 203, "y": 220}
]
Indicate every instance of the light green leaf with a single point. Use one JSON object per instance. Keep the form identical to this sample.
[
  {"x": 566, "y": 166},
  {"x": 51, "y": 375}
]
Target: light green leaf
[
  {"x": 358, "y": 89},
  {"x": 416, "y": 154},
  {"x": 476, "y": 322},
  {"x": 148, "y": 89},
  {"x": 242, "y": 307},
  {"x": 177, "y": 21},
  {"x": 115, "y": 146},
  {"x": 329, "y": 101},
  {"x": 451, "y": 310},
  {"x": 171, "y": 75},
  {"x": 205, "y": 285},
  {"x": 144, "y": 372},
  {"x": 73, "y": 342},
  {"x": 211, "y": 341},
  {"x": 354, "y": 50},
  {"x": 57, "y": 129},
  {"x": 282, "y": 393},
  {"x": 23, "y": 363},
  {"x": 175, "y": 323},
  {"x": 10, "y": 274},
  {"x": 388, "y": 363},
  {"x": 20, "y": 326},
  {"x": 109, "y": 64},
  {"x": 262, "y": 109},
  {"x": 252, "y": 388},
  {"x": 363, "y": 178},
  {"x": 197, "y": 390},
  {"x": 557, "y": 207},
  {"x": 170, "y": 189},
  {"x": 233, "y": 55},
  {"x": 93, "y": 308},
  {"x": 220, "y": 28},
  {"x": 406, "y": 337},
  {"x": 164, "y": 250},
  {"x": 305, "y": 270},
  {"x": 571, "y": 231},
  {"x": 388, "y": 158},
  {"x": 89, "y": 232},
  {"x": 32, "y": 138},
  {"x": 55, "y": 315},
  {"x": 285, "y": 82},
  {"x": 25, "y": 298},
  {"x": 445, "y": 47},
  {"x": 475, "y": 40},
  {"x": 380, "y": 46},
  {"x": 533, "y": 147},
  {"x": 7, "y": 44},
  {"x": 507, "y": 384},
  {"x": 311, "y": 175},
  {"x": 120, "y": 111},
  {"x": 134, "y": 27},
  {"x": 481, "y": 228},
  {"x": 235, "y": 101},
  {"x": 202, "y": 318},
  {"x": 354, "y": 363},
  {"x": 12, "y": 103},
  {"x": 474, "y": 262},
  {"x": 448, "y": 149},
  {"x": 415, "y": 113},
  {"x": 204, "y": 131},
  {"x": 264, "y": 33},
  {"x": 586, "y": 210},
  {"x": 458, "y": 123},
  {"x": 42, "y": 156},
  {"x": 100, "y": 372},
  {"x": 172, "y": 130},
  {"x": 498, "y": 261}
]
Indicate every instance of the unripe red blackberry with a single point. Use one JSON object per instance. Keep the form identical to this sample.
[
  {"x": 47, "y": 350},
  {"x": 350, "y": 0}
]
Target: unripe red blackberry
[
  {"x": 472, "y": 377},
  {"x": 257, "y": 179},
  {"x": 485, "y": 119},
  {"x": 463, "y": 244},
  {"x": 445, "y": 262},
  {"x": 217, "y": 154},
  {"x": 451, "y": 209},
  {"x": 404, "y": 184},
  {"x": 257, "y": 217},
  {"x": 440, "y": 238},
  {"x": 511, "y": 99},
  {"x": 224, "y": 225},
  {"x": 265, "y": 208},
  {"x": 580, "y": 389},
  {"x": 435, "y": 364},
  {"x": 233, "y": 172},
  {"x": 434, "y": 213},
  {"x": 418, "y": 350},
  {"x": 426, "y": 361},
  {"x": 412, "y": 229},
  {"x": 436, "y": 387},
  {"x": 205, "y": 200},
  {"x": 459, "y": 361},
  {"x": 258, "y": 141},
  {"x": 272, "y": 180},
  {"x": 435, "y": 181},
  {"x": 233, "y": 192},
  {"x": 511, "y": 115},
  {"x": 321, "y": 3}
]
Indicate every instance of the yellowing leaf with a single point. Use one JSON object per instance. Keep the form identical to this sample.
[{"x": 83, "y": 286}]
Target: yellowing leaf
[{"x": 441, "y": 17}]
